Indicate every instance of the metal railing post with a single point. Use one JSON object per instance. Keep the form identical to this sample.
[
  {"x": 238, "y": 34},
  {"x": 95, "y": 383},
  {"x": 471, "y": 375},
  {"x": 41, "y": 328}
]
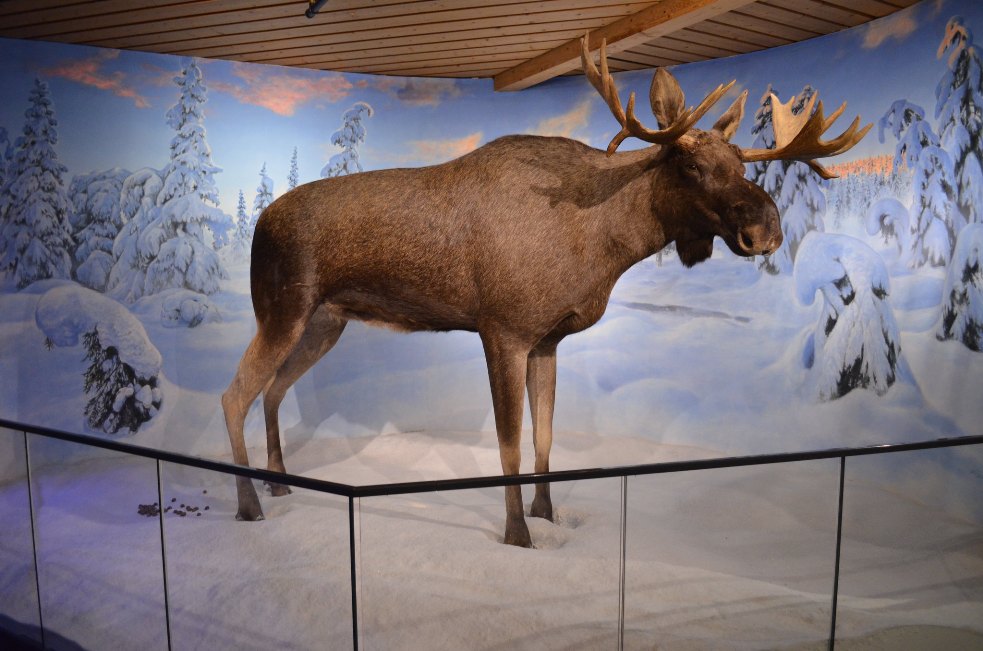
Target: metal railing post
[
  {"x": 621, "y": 568},
  {"x": 352, "y": 541},
  {"x": 836, "y": 564},
  {"x": 34, "y": 537},
  {"x": 163, "y": 554}
]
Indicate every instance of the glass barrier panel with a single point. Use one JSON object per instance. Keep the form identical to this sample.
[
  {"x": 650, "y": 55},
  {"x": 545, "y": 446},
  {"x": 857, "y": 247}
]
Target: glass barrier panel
[
  {"x": 99, "y": 558},
  {"x": 435, "y": 574},
  {"x": 733, "y": 558},
  {"x": 279, "y": 583},
  {"x": 19, "y": 614},
  {"x": 911, "y": 568}
]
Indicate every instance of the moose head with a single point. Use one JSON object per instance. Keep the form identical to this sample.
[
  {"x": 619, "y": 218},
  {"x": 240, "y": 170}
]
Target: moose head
[{"x": 699, "y": 190}]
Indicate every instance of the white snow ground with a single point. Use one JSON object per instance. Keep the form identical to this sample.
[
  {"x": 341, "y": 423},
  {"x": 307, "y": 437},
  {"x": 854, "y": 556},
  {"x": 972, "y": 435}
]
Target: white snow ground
[{"x": 736, "y": 559}]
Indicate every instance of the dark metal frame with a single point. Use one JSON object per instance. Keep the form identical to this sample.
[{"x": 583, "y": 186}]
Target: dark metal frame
[{"x": 353, "y": 492}]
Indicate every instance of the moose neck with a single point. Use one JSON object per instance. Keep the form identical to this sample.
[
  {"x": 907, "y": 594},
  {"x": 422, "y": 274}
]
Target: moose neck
[{"x": 630, "y": 230}]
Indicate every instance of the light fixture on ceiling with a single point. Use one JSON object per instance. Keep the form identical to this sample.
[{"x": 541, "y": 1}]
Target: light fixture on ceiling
[{"x": 314, "y": 6}]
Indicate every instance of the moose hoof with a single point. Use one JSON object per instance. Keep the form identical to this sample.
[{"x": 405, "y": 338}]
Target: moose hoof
[
  {"x": 542, "y": 509},
  {"x": 518, "y": 536},
  {"x": 278, "y": 490},
  {"x": 250, "y": 517}
]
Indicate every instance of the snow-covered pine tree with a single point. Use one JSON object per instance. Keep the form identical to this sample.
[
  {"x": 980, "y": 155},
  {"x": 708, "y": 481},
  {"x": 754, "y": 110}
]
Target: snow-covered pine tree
[
  {"x": 242, "y": 240},
  {"x": 889, "y": 217},
  {"x": 97, "y": 221},
  {"x": 139, "y": 238},
  {"x": 933, "y": 197},
  {"x": 293, "y": 177},
  {"x": 349, "y": 137},
  {"x": 264, "y": 197},
  {"x": 764, "y": 137},
  {"x": 959, "y": 111},
  {"x": 907, "y": 124},
  {"x": 962, "y": 294},
  {"x": 188, "y": 199},
  {"x": 118, "y": 398},
  {"x": 856, "y": 342},
  {"x": 799, "y": 196},
  {"x": 35, "y": 234},
  {"x": 122, "y": 378},
  {"x": 933, "y": 220}
]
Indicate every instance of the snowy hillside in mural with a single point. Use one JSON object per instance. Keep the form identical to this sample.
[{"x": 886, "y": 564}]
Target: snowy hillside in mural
[{"x": 863, "y": 328}]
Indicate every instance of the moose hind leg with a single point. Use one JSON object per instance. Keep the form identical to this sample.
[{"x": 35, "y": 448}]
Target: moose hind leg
[
  {"x": 263, "y": 356},
  {"x": 507, "y": 375},
  {"x": 321, "y": 334},
  {"x": 541, "y": 384}
]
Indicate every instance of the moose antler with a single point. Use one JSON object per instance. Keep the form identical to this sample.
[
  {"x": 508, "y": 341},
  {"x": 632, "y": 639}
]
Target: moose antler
[
  {"x": 797, "y": 137},
  {"x": 679, "y": 121}
]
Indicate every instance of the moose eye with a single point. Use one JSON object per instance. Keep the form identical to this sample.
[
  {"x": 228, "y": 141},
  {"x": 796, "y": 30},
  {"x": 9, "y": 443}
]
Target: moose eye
[{"x": 692, "y": 168}]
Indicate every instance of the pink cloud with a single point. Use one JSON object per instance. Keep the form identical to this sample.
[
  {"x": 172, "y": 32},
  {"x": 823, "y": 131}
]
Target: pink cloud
[
  {"x": 90, "y": 72},
  {"x": 438, "y": 151},
  {"x": 898, "y": 26},
  {"x": 419, "y": 91},
  {"x": 282, "y": 92},
  {"x": 569, "y": 125}
]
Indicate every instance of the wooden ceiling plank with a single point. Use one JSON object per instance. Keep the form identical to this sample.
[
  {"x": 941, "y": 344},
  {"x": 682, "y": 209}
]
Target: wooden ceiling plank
[
  {"x": 733, "y": 46},
  {"x": 780, "y": 14},
  {"x": 875, "y": 8},
  {"x": 120, "y": 15},
  {"x": 653, "y": 60},
  {"x": 751, "y": 36},
  {"x": 742, "y": 21},
  {"x": 420, "y": 13},
  {"x": 221, "y": 45},
  {"x": 681, "y": 45},
  {"x": 836, "y": 14},
  {"x": 656, "y": 20},
  {"x": 537, "y": 42},
  {"x": 435, "y": 54}
]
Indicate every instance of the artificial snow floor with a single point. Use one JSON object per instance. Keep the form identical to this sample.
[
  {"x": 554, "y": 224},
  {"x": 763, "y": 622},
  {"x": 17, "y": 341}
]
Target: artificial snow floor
[{"x": 739, "y": 558}]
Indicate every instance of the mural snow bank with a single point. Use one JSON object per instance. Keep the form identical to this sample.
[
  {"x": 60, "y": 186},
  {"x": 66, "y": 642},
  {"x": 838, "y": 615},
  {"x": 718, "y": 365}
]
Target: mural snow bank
[
  {"x": 121, "y": 190},
  {"x": 121, "y": 378}
]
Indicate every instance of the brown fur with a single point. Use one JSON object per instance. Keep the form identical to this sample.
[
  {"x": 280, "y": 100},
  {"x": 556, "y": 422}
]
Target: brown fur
[{"x": 520, "y": 241}]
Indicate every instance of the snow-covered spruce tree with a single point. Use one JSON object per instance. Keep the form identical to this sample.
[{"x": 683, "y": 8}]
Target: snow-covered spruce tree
[
  {"x": 348, "y": 137},
  {"x": 188, "y": 199},
  {"x": 906, "y": 122},
  {"x": 243, "y": 237},
  {"x": 962, "y": 294},
  {"x": 122, "y": 377},
  {"x": 799, "y": 196},
  {"x": 97, "y": 221},
  {"x": 293, "y": 177},
  {"x": 264, "y": 197},
  {"x": 35, "y": 234},
  {"x": 933, "y": 232},
  {"x": 934, "y": 222},
  {"x": 889, "y": 217},
  {"x": 764, "y": 137},
  {"x": 959, "y": 111},
  {"x": 856, "y": 342},
  {"x": 140, "y": 236},
  {"x": 802, "y": 204}
]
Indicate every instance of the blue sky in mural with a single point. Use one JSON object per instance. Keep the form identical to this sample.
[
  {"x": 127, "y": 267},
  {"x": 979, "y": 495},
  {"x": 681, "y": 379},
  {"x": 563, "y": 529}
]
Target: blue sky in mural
[{"x": 258, "y": 114}]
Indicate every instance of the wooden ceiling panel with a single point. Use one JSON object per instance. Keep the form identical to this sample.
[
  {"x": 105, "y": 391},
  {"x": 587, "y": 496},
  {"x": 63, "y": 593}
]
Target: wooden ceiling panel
[{"x": 438, "y": 38}]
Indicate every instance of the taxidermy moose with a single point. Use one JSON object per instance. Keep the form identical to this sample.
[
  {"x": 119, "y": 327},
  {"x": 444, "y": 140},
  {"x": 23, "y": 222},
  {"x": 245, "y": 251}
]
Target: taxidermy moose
[{"x": 521, "y": 241}]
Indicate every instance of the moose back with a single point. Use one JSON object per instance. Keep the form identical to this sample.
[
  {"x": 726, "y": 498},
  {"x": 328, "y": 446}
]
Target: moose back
[{"x": 520, "y": 241}]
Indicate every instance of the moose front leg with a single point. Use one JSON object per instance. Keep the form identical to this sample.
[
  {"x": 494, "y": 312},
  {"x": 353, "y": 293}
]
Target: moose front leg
[
  {"x": 507, "y": 360},
  {"x": 541, "y": 383}
]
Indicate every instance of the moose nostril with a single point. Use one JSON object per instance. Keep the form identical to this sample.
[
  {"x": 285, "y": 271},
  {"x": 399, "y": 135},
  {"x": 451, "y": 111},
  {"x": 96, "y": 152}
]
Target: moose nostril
[{"x": 745, "y": 241}]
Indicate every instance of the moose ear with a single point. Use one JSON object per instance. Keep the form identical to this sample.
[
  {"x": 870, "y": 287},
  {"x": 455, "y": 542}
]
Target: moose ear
[
  {"x": 727, "y": 123},
  {"x": 668, "y": 101}
]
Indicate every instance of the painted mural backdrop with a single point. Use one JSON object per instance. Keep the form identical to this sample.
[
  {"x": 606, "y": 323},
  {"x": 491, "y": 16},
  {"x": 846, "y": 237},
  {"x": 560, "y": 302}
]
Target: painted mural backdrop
[{"x": 130, "y": 184}]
